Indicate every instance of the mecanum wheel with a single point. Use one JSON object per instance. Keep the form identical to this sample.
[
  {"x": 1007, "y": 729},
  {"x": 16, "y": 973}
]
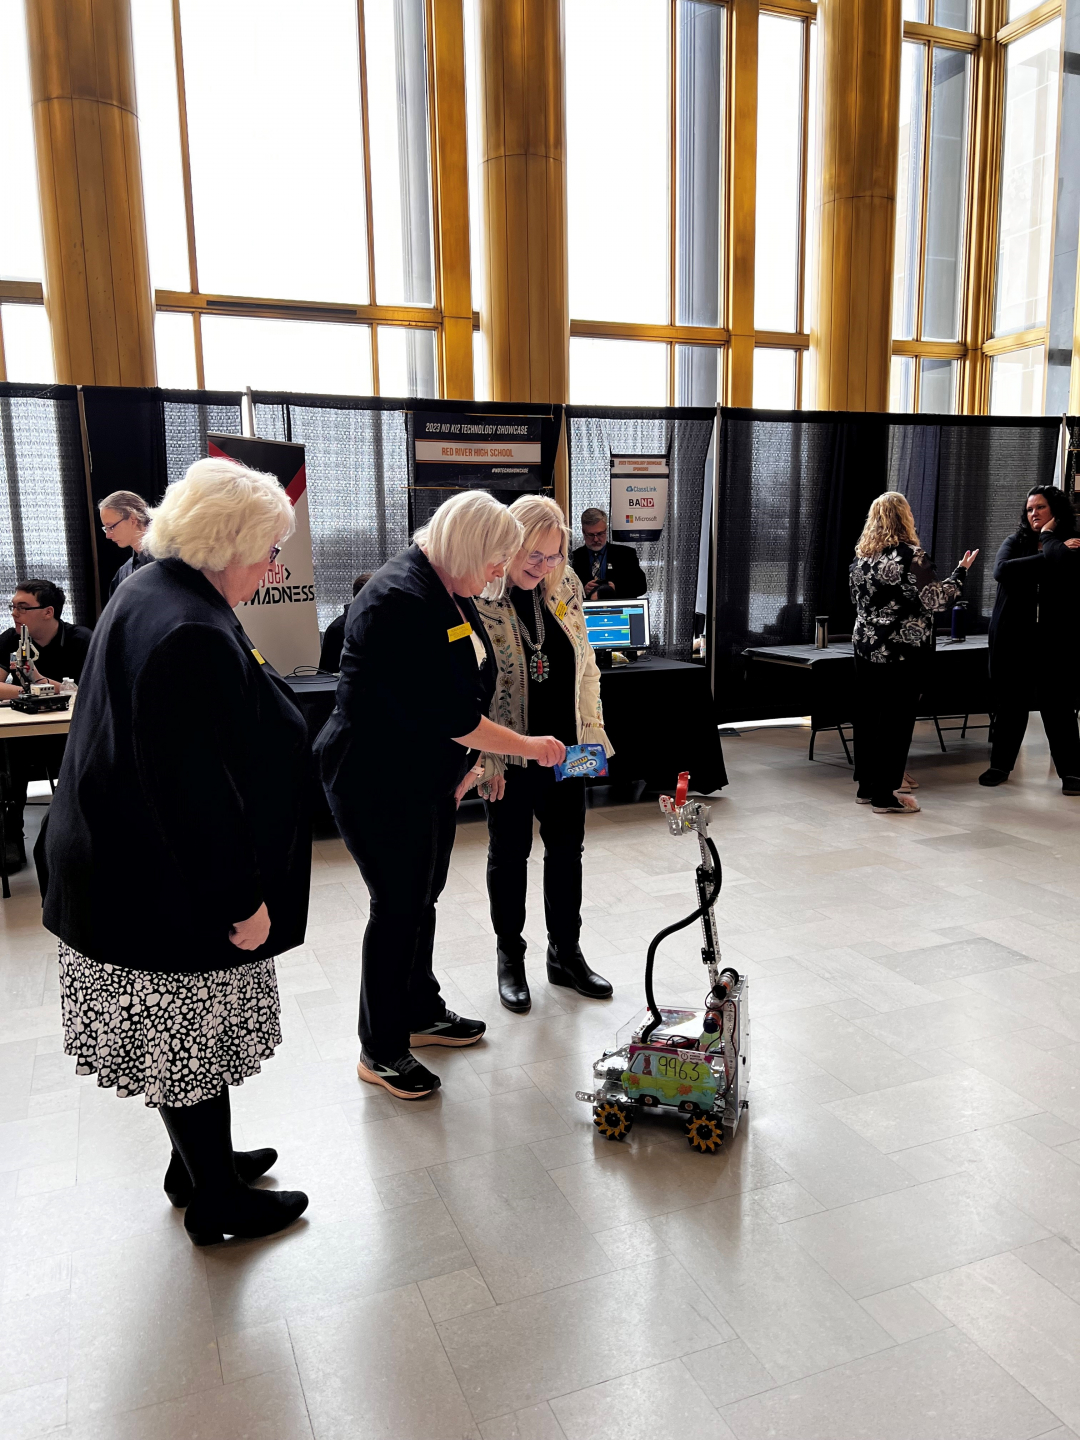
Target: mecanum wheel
[
  {"x": 612, "y": 1120},
  {"x": 704, "y": 1133}
]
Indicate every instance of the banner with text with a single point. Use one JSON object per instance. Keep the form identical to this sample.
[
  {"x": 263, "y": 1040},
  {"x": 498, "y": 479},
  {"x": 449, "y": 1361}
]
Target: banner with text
[
  {"x": 488, "y": 452},
  {"x": 639, "y": 495},
  {"x": 280, "y": 617}
]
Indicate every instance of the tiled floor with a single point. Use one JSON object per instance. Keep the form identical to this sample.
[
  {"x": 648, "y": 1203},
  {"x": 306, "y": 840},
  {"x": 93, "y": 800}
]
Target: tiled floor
[{"x": 890, "y": 1249}]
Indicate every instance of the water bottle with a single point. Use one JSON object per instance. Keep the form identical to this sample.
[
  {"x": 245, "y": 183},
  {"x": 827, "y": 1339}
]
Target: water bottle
[{"x": 959, "y": 621}]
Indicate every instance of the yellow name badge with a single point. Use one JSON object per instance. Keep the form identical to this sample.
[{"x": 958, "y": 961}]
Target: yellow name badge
[
  {"x": 258, "y": 656},
  {"x": 560, "y": 610},
  {"x": 459, "y": 632}
]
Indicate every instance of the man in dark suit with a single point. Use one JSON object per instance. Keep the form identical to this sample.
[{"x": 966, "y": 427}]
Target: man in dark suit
[{"x": 608, "y": 572}]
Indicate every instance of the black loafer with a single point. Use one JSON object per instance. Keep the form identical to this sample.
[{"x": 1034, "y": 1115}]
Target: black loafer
[
  {"x": 249, "y": 1164},
  {"x": 513, "y": 987},
  {"x": 993, "y": 777},
  {"x": 572, "y": 969}
]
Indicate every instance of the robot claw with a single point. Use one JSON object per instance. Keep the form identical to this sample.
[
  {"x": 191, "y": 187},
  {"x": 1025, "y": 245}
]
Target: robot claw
[{"x": 695, "y": 1063}]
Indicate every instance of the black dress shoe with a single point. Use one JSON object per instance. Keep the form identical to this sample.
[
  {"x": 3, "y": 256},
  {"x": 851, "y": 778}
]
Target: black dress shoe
[
  {"x": 572, "y": 969},
  {"x": 513, "y": 987},
  {"x": 247, "y": 1214},
  {"x": 250, "y": 1164},
  {"x": 993, "y": 777}
]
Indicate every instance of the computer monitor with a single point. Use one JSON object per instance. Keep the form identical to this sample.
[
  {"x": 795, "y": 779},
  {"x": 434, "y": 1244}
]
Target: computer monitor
[{"x": 617, "y": 624}]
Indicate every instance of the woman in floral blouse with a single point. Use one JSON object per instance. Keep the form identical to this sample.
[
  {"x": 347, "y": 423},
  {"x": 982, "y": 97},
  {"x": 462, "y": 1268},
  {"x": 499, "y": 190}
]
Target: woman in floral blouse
[
  {"x": 896, "y": 593},
  {"x": 547, "y": 682}
]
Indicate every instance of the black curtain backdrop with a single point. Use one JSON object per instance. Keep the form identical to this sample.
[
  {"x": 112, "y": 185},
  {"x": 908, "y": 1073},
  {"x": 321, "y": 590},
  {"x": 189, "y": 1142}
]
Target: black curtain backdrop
[
  {"x": 792, "y": 491},
  {"x": 594, "y": 434},
  {"x": 792, "y": 494},
  {"x": 141, "y": 440},
  {"x": 44, "y": 512}
]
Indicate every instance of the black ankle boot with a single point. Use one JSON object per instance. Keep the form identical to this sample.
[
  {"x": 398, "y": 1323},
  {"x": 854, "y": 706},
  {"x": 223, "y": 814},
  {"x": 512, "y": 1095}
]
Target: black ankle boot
[
  {"x": 249, "y": 1165},
  {"x": 569, "y": 967},
  {"x": 246, "y": 1214},
  {"x": 221, "y": 1203},
  {"x": 513, "y": 987}
]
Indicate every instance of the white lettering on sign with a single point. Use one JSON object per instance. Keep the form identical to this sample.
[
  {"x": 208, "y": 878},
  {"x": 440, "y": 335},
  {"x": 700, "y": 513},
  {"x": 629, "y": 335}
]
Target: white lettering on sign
[{"x": 464, "y": 452}]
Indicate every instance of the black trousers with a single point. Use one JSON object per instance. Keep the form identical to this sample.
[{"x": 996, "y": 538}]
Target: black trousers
[
  {"x": 560, "y": 807},
  {"x": 404, "y": 857},
  {"x": 886, "y": 700},
  {"x": 1062, "y": 733},
  {"x": 33, "y": 758}
]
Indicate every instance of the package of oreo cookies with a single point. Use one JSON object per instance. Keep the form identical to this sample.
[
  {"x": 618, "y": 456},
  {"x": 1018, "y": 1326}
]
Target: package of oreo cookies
[{"x": 583, "y": 762}]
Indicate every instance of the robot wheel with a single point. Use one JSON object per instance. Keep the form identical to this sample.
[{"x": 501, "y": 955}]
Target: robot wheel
[
  {"x": 613, "y": 1120},
  {"x": 704, "y": 1133}
]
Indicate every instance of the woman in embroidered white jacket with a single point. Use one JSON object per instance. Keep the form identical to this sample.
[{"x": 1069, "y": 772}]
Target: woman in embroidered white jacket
[{"x": 547, "y": 683}]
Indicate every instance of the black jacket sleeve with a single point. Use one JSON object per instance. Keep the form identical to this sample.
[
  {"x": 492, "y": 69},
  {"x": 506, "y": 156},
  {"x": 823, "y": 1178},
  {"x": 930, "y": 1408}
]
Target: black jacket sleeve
[
  {"x": 1012, "y": 567},
  {"x": 190, "y": 714},
  {"x": 632, "y": 583}
]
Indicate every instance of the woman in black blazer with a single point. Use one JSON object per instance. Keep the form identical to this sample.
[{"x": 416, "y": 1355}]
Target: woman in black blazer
[
  {"x": 397, "y": 755},
  {"x": 1033, "y": 637},
  {"x": 178, "y": 851}
]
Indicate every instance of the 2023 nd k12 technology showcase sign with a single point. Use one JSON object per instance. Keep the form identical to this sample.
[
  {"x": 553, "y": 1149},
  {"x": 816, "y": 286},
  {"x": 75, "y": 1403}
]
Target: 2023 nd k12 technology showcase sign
[
  {"x": 490, "y": 452},
  {"x": 639, "y": 494}
]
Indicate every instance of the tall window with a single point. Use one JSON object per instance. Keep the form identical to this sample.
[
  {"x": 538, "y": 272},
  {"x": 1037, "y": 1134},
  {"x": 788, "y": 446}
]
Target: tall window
[
  {"x": 645, "y": 178},
  {"x": 288, "y": 183},
  {"x": 25, "y": 347},
  {"x": 786, "y": 154},
  {"x": 1025, "y": 217},
  {"x": 931, "y": 206}
]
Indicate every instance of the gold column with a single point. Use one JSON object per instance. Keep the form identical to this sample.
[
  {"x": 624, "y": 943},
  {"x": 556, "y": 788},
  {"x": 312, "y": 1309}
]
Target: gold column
[
  {"x": 859, "y": 44},
  {"x": 97, "y": 275},
  {"x": 526, "y": 317},
  {"x": 452, "y": 203},
  {"x": 739, "y": 372}
]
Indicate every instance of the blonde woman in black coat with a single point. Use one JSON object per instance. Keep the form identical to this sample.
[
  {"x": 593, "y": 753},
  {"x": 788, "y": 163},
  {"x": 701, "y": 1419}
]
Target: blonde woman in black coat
[{"x": 178, "y": 846}]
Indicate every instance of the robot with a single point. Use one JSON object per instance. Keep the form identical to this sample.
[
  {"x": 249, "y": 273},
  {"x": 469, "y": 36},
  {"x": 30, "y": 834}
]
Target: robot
[{"x": 694, "y": 1063}]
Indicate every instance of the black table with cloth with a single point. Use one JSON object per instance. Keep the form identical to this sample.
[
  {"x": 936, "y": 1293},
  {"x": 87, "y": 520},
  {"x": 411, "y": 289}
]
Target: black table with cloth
[{"x": 804, "y": 680}]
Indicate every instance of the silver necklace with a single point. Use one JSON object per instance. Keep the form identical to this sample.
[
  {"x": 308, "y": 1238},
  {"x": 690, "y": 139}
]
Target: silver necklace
[{"x": 539, "y": 664}]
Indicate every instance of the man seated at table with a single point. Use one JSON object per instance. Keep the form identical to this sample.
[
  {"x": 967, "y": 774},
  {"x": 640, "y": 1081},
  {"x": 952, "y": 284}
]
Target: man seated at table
[
  {"x": 608, "y": 572},
  {"x": 334, "y": 636},
  {"x": 61, "y": 647}
]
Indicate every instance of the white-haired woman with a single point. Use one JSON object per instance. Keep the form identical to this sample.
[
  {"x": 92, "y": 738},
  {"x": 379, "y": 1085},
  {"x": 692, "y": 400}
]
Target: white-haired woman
[
  {"x": 178, "y": 852},
  {"x": 397, "y": 754},
  {"x": 896, "y": 594},
  {"x": 548, "y": 681},
  {"x": 125, "y": 518}
]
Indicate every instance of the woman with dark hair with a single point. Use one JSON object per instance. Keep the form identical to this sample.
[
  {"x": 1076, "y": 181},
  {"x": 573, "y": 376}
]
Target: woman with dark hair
[{"x": 1033, "y": 644}]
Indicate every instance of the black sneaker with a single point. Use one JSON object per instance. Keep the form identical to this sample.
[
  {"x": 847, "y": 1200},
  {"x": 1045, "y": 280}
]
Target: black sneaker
[
  {"x": 1071, "y": 785},
  {"x": 452, "y": 1030},
  {"x": 406, "y": 1077}
]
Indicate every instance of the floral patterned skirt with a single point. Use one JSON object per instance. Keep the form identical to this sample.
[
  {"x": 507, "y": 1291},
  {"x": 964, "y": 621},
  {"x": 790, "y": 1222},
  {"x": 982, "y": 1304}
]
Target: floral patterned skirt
[{"x": 175, "y": 1039}]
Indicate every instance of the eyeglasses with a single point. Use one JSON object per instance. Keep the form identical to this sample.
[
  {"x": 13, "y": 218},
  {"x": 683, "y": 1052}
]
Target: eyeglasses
[
  {"x": 536, "y": 557},
  {"x": 275, "y": 551},
  {"x": 108, "y": 529},
  {"x": 595, "y": 534},
  {"x": 19, "y": 608}
]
